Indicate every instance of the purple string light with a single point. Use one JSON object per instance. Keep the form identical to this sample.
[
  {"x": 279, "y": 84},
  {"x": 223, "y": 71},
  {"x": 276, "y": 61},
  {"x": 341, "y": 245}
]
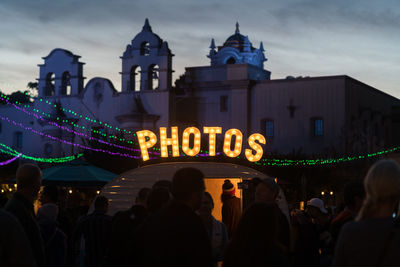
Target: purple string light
[
  {"x": 9, "y": 161},
  {"x": 75, "y": 132},
  {"x": 67, "y": 142},
  {"x": 79, "y": 134}
]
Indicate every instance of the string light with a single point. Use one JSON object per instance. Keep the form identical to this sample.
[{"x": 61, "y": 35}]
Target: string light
[
  {"x": 72, "y": 131},
  {"x": 10, "y": 160},
  {"x": 13, "y": 152},
  {"x": 67, "y": 142}
]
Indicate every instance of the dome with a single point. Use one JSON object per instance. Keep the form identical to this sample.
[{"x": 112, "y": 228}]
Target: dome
[{"x": 236, "y": 40}]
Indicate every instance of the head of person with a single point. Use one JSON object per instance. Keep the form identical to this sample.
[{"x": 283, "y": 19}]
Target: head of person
[
  {"x": 228, "y": 190},
  {"x": 142, "y": 196},
  {"x": 163, "y": 183},
  {"x": 157, "y": 199},
  {"x": 29, "y": 179},
  {"x": 48, "y": 212},
  {"x": 188, "y": 187},
  {"x": 354, "y": 194},
  {"x": 257, "y": 232},
  {"x": 207, "y": 205},
  {"x": 266, "y": 191},
  {"x": 315, "y": 208},
  {"x": 382, "y": 188},
  {"x": 101, "y": 204},
  {"x": 49, "y": 194}
]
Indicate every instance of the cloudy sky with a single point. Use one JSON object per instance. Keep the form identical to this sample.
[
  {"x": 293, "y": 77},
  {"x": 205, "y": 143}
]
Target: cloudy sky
[{"x": 308, "y": 38}]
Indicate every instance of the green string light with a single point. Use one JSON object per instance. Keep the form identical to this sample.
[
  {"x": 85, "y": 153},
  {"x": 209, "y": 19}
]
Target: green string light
[{"x": 13, "y": 152}]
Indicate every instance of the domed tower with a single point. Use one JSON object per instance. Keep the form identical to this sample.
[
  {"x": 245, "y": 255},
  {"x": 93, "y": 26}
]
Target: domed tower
[
  {"x": 146, "y": 63},
  {"x": 237, "y": 49}
]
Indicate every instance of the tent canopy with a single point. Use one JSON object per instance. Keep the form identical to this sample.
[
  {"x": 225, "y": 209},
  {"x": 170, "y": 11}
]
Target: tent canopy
[{"x": 77, "y": 173}]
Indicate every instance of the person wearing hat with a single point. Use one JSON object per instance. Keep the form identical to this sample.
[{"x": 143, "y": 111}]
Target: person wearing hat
[
  {"x": 231, "y": 209},
  {"x": 322, "y": 221}
]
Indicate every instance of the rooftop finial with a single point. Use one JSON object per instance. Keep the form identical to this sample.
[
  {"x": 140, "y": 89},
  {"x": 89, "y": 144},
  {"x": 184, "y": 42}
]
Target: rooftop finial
[
  {"x": 212, "y": 46},
  {"x": 146, "y": 26},
  {"x": 261, "y": 47},
  {"x": 237, "y": 28}
]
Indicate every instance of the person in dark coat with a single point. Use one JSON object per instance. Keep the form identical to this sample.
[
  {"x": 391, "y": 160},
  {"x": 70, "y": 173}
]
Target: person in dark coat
[
  {"x": 175, "y": 235},
  {"x": 29, "y": 178},
  {"x": 267, "y": 191},
  {"x": 123, "y": 225},
  {"x": 15, "y": 249},
  {"x": 255, "y": 242},
  {"x": 55, "y": 241},
  {"x": 231, "y": 208},
  {"x": 95, "y": 229}
]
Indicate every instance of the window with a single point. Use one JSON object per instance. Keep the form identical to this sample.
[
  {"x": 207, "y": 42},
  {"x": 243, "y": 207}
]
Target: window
[
  {"x": 48, "y": 149},
  {"x": 231, "y": 60},
  {"x": 49, "y": 89},
  {"x": 145, "y": 49},
  {"x": 66, "y": 84},
  {"x": 223, "y": 103},
  {"x": 153, "y": 77},
  {"x": 269, "y": 128},
  {"x": 17, "y": 140},
  {"x": 318, "y": 125},
  {"x": 134, "y": 80}
]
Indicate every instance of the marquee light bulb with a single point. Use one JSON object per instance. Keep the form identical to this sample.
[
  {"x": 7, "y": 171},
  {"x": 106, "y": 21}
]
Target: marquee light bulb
[
  {"x": 145, "y": 145},
  {"x": 165, "y": 142},
  {"x": 238, "y": 143},
  {"x": 212, "y": 136},
  {"x": 197, "y": 139},
  {"x": 256, "y": 147}
]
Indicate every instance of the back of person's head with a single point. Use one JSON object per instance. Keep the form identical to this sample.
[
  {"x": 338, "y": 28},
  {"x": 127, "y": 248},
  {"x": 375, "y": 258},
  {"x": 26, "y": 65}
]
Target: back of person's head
[
  {"x": 186, "y": 182},
  {"x": 382, "y": 185},
  {"x": 163, "y": 183},
  {"x": 49, "y": 194},
  {"x": 157, "y": 199},
  {"x": 48, "y": 212},
  {"x": 101, "y": 204},
  {"x": 29, "y": 176},
  {"x": 256, "y": 233},
  {"x": 353, "y": 190},
  {"x": 142, "y": 196}
]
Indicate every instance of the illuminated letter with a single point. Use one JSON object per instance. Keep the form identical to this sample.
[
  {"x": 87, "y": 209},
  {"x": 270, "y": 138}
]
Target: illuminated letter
[
  {"x": 212, "y": 131},
  {"x": 165, "y": 142},
  {"x": 238, "y": 144},
  {"x": 256, "y": 147},
  {"x": 185, "y": 141},
  {"x": 144, "y": 145}
]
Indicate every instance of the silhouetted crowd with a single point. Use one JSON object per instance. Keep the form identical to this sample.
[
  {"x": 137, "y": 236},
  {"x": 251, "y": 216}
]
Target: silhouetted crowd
[{"x": 171, "y": 224}]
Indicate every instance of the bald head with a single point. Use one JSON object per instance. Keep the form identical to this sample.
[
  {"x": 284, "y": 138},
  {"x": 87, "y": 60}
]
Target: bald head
[{"x": 29, "y": 179}]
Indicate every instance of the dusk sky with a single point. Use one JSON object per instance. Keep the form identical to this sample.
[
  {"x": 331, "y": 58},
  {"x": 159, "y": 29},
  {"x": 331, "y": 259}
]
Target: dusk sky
[{"x": 301, "y": 38}]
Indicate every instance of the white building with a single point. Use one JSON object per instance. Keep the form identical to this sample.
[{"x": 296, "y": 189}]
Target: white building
[{"x": 313, "y": 115}]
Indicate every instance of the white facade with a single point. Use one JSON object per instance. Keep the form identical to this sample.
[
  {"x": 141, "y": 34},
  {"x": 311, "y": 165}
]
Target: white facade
[{"x": 322, "y": 115}]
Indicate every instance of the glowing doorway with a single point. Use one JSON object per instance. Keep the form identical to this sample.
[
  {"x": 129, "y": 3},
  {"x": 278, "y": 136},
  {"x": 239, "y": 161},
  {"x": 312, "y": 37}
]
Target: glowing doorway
[{"x": 214, "y": 187}]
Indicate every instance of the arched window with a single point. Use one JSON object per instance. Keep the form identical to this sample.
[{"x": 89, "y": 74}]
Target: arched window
[
  {"x": 145, "y": 49},
  {"x": 135, "y": 78},
  {"x": 49, "y": 89},
  {"x": 66, "y": 84},
  {"x": 231, "y": 60},
  {"x": 153, "y": 77}
]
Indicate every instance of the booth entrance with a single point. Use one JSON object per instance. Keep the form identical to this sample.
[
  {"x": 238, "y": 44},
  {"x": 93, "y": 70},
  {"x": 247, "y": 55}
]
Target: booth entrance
[
  {"x": 123, "y": 189},
  {"x": 214, "y": 187}
]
